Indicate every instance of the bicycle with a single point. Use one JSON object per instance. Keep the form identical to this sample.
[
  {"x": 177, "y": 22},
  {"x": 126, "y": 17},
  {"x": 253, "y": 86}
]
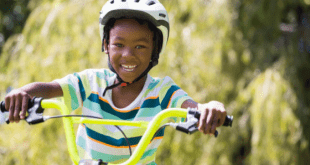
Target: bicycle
[{"x": 36, "y": 108}]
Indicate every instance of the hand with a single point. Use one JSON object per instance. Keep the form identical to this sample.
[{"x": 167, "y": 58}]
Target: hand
[
  {"x": 213, "y": 115},
  {"x": 15, "y": 102}
]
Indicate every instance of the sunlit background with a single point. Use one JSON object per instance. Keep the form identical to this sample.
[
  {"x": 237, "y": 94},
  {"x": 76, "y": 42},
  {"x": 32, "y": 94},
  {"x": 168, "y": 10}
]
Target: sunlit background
[{"x": 254, "y": 56}]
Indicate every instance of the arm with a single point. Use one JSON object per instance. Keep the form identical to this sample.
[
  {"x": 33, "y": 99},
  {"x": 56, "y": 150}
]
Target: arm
[
  {"x": 17, "y": 100},
  {"x": 212, "y": 115}
]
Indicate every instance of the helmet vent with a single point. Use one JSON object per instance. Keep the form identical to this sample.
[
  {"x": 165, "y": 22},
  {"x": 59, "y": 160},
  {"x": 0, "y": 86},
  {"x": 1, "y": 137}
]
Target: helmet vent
[
  {"x": 123, "y": 0},
  {"x": 162, "y": 15},
  {"x": 151, "y": 3},
  {"x": 137, "y": 0},
  {"x": 112, "y": 2}
]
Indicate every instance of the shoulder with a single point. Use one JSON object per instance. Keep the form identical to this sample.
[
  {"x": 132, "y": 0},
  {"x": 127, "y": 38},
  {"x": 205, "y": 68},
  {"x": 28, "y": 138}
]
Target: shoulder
[
  {"x": 155, "y": 83},
  {"x": 160, "y": 82},
  {"x": 168, "y": 84},
  {"x": 94, "y": 75},
  {"x": 168, "y": 87},
  {"x": 96, "y": 72},
  {"x": 97, "y": 77},
  {"x": 168, "y": 93},
  {"x": 160, "y": 86}
]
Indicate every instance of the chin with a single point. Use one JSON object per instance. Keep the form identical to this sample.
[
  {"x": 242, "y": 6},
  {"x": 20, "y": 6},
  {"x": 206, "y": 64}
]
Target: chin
[{"x": 128, "y": 79}]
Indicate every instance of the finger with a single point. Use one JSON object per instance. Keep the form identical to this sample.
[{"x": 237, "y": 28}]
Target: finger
[
  {"x": 11, "y": 109},
  {"x": 209, "y": 122},
  {"x": 7, "y": 102},
  {"x": 17, "y": 108},
  {"x": 202, "y": 120},
  {"x": 222, "y": 118},
  {"x": 24, "y": 106},
  {"x": 214, "y": 122}
]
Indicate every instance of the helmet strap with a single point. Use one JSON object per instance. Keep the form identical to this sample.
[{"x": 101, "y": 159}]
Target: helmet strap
[{"x": 122, "y": 82}]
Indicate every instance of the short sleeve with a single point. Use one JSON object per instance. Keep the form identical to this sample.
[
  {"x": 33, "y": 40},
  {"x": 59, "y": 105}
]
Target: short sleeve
[
  {"x": 171, "y": 95},
  {"x": 72, "y": 90}
]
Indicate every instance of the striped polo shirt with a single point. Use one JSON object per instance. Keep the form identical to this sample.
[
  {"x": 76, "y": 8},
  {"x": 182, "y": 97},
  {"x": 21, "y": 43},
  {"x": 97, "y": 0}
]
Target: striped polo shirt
[{"x": 84, "y": 90}]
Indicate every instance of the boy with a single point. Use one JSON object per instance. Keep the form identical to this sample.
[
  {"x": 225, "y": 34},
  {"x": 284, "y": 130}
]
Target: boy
[{"x": 134, "y": 34}]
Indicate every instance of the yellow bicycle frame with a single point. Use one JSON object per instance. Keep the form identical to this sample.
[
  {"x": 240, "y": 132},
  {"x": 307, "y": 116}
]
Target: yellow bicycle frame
[{"x": 146, "y": 138}]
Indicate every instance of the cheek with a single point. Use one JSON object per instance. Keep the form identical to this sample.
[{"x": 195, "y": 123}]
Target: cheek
[
  {"x": 145, "y": 55},
  {"x": 113, "y": 58},
  {"x": 144, "y": 60}
]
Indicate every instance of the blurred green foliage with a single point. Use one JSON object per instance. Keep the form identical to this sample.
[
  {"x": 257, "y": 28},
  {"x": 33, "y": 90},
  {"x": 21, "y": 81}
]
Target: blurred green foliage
[
  {"x": 231, "y": 51},
  {"x": 13, "y": 15}
]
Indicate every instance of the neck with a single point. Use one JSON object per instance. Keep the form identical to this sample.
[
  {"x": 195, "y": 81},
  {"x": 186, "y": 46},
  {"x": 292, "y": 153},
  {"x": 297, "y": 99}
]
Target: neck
[{"x": 134, "y": 87}]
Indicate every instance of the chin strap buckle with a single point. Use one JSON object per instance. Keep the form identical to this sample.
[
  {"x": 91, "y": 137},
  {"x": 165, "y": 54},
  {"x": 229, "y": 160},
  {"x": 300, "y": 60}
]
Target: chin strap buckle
[{"x": 124, "y": 84}]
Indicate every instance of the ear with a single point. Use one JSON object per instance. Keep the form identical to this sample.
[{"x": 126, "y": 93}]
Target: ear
[{"x": 106, "y": 46}]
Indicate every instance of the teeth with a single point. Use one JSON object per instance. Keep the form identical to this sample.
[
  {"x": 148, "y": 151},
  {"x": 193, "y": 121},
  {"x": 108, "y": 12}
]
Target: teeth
[
  {"x": 129, "y": 70},
  {"x": 129, "y": 66}
]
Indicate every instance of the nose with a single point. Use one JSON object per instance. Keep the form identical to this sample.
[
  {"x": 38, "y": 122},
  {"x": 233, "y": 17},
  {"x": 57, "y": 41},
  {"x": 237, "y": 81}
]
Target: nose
[{"x": 128, "y": 52}]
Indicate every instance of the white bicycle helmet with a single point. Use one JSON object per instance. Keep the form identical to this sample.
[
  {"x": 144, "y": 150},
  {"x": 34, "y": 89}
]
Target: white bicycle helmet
[{"x": 150, "y": 10}]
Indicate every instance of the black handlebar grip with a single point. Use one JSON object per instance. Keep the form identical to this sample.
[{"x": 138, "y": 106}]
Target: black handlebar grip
[
  {"x": 228, "y": 120},
  {"x": 2, "y": 106}
]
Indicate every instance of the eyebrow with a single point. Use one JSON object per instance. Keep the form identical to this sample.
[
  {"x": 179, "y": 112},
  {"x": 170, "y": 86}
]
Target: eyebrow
[{"x": 143, "y": 39}]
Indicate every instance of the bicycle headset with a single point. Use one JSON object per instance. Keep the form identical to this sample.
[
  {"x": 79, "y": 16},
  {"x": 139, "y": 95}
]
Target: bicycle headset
[{"x": 150, "y": 11}]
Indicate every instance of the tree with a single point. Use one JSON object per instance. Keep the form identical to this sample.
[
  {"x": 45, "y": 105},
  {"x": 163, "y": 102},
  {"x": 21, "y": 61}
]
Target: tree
[{"x": 13, "y": 15}]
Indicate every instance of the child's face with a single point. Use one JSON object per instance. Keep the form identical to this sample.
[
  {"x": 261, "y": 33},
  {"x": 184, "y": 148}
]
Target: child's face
[{"x": 130, "y": 48}]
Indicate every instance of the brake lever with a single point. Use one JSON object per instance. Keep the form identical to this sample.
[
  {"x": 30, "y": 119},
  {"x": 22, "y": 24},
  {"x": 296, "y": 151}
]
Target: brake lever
[
  {"x": 190, "y": 126},
  {"x": 35, "y": 113}
]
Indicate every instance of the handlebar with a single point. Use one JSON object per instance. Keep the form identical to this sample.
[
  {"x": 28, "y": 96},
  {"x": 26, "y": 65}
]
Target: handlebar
[
  {"x": 2, "y": 107},
  {"x": 35, "y": 111},
  {"x": 37, "y": 105}
]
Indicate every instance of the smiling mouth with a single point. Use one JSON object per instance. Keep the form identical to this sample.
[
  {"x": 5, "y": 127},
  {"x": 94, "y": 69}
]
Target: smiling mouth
[{"x": 129, "y": 68}]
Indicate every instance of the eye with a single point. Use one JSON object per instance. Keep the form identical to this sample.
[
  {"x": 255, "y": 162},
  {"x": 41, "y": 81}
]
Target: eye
[
  {"x": 140, "y": 46},
  {"x": 119, "y": 45}
]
